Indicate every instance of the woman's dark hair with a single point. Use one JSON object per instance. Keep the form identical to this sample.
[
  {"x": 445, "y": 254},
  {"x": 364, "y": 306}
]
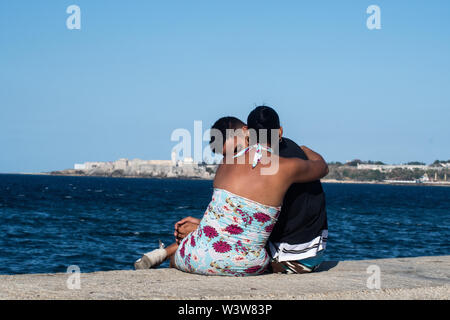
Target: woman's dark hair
[
  {"x": 222, "y": 125},
  {"x": 263, "y": 117}
]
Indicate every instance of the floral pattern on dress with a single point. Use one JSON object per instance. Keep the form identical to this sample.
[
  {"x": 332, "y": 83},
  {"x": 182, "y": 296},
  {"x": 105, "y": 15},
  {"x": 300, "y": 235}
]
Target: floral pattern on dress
[{"x": 230, "y": 239}]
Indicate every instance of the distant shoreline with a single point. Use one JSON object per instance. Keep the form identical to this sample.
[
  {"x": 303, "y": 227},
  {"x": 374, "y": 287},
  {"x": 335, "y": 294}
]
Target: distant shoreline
[
  {"x": 402, "y": 183},
  {"x": 103, "y": 176}
]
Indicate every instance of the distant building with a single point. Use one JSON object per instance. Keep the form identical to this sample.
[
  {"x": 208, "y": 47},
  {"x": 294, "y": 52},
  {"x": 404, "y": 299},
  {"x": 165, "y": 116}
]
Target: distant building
[
  {"x": 388, "y": 168},
  {"x": 79, "y": 166},
  {"x": 158, "y": 162},
  {"x": 188, "y": 160},
  {"x": 123, "y": 164},
  {"x": 93, "y": 165},
  {"x": 186, "y": 168},
  {"x": 424, "y": 178},
  {"x": 173, "y": 157}
]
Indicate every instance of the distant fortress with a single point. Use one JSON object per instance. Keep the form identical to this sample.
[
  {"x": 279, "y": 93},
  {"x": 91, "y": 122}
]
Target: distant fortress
[{"x": 185, "y": 168}]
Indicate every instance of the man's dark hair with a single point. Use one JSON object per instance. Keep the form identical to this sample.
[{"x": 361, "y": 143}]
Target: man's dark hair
[
  {"x": 222, "y": 125},
  {"x": 263, "y": 117}
]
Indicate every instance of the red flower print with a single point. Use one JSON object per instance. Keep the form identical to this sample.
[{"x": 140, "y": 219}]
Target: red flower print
[
  {"x": 192, "y": 242},
  {"x": 252, "y": 269},
  {"x": 188, "y": 259},
  {"x": 210, "y": 232},
  {"x": 234, "y": 229},
  {"x": 247, "y": 219},
  {"x": 269, "y": 228},
  {"x": 182, "y": 252},
  {"x": 221, "y": 246},
  {"x": 261, "y": 217},
  {"x": 183, "y": 244},
  {"x": 240, "y": 248}
]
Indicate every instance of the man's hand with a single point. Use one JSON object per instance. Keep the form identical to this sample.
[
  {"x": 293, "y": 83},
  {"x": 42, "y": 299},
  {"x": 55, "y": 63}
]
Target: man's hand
[{"x": 184, "y": 227}]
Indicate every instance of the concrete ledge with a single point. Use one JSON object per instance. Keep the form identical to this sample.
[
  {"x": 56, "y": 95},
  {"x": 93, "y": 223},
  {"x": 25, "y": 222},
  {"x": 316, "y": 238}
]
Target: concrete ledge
[{"x": 403, "y": 278}]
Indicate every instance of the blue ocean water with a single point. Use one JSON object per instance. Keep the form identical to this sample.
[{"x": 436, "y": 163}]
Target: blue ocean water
[{"x": 50, "y": 222}]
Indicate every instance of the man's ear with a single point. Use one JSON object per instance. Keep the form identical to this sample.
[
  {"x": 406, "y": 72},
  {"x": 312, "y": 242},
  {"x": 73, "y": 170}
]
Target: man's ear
[{"x": 280, "y": 132}]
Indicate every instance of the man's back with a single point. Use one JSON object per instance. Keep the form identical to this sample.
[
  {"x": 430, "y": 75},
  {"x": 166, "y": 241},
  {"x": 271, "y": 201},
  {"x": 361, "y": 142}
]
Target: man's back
[{"x": 302, "y": 226}]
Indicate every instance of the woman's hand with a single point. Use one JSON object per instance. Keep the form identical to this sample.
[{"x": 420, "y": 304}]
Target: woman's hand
[
  {"x": 184, "y": 227},
  {"x": 187, "y": 219}
]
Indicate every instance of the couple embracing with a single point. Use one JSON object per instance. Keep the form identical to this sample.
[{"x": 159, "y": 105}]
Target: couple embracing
[{"x": 267, "y": 212}]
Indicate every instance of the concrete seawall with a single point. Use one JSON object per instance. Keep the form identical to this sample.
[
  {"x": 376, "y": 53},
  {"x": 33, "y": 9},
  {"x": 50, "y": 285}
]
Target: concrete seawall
[{"x": 402, "y": 278}]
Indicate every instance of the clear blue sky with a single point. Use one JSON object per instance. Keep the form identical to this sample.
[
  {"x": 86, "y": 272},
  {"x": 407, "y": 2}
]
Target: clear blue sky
[{"x": 137, "y": 70}]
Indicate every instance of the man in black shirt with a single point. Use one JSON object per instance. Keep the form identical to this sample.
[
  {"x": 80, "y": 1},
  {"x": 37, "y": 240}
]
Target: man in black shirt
[{"x": 299, "y": 237}]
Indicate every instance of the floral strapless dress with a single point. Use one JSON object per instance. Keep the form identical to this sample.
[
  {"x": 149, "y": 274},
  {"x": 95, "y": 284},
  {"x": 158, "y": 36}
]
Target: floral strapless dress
[{"x": 230, "y": 239}]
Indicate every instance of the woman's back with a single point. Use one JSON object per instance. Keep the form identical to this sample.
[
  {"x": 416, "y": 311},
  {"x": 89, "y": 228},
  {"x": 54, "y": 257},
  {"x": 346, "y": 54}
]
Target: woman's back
[{"x": 265, "y": 183}]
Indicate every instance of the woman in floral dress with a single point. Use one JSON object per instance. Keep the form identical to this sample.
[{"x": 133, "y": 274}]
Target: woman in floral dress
[{"x": 231, "y": 237}]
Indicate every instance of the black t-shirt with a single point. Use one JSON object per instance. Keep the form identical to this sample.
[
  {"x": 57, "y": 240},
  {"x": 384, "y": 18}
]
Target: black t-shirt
[{"x": 303, "y": 215}]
